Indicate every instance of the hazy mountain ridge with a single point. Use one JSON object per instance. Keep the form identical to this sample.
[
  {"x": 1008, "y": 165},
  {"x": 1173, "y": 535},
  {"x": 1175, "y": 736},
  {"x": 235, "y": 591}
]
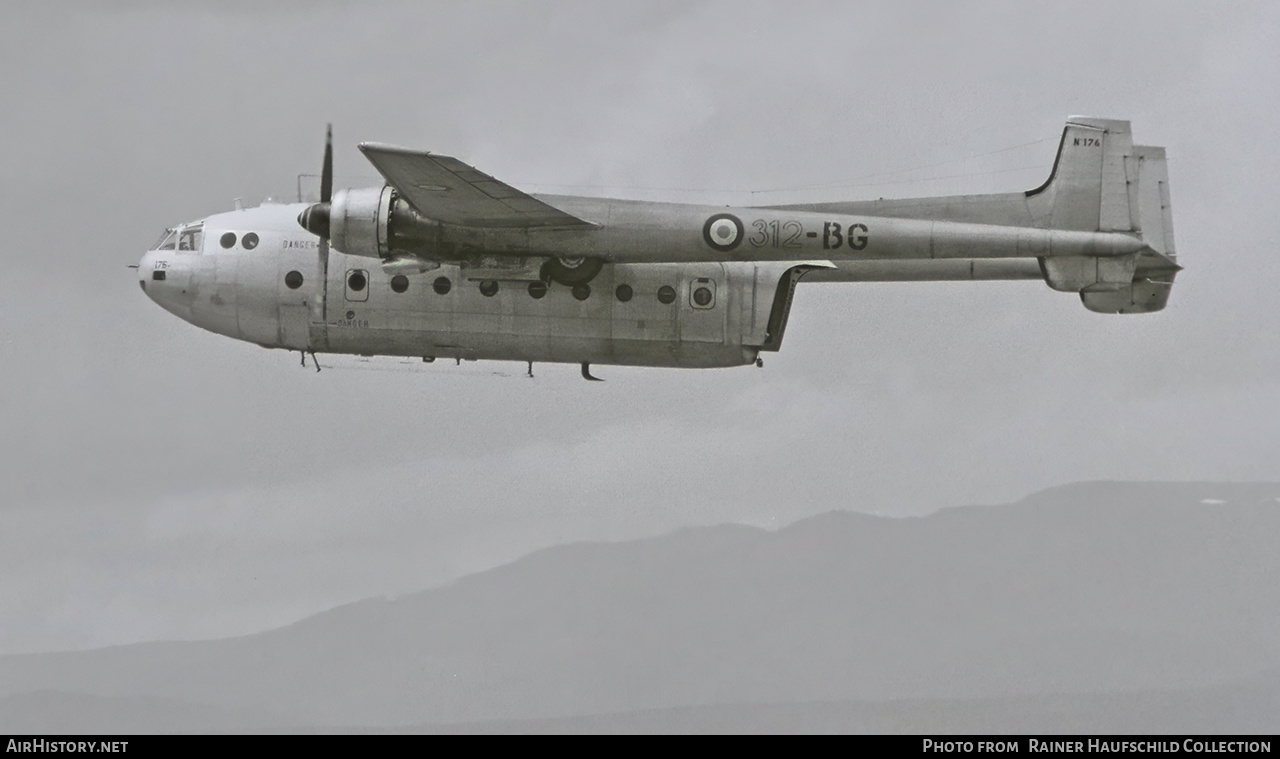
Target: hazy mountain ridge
[
  {"x": 1248, "y": 707},
  {"x": 1245, "y": 707},
  {"x": 54, "y": 712},
  {"x": 1087, "y": 589}
]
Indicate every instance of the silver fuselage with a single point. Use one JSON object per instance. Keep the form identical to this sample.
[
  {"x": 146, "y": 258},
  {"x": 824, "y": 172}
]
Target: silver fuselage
[
  {"x": 689, "y": 314},
  {"x": 444, "y": 261}
]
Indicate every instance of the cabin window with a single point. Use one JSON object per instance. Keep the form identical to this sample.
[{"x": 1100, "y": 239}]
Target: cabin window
[
  {"x": 249, "y": 241},
  {"x": 702, "y": 293},
  {"x": 442, "y": 285},
  {"x": 624, "y": 293},
  {"x": 357, "y": 285},
  {"x": 399, "y": 283},
  {"x": 582, "y": 291},
  {"x": 489, "y": 288},
  {"x": 667, "y": 294},
  {"x": 537, "y": 290},
  {"x": 293, "y": 280},
  {"x": 227, "y": 240}
]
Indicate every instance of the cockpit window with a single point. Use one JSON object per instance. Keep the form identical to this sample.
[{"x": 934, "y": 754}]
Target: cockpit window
[
  {"x": 166, "y": 241},
  {"x": 191, "y": 237}
]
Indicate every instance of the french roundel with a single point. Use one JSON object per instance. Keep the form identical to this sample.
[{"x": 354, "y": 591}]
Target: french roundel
[{"x": 722, "y": 231}]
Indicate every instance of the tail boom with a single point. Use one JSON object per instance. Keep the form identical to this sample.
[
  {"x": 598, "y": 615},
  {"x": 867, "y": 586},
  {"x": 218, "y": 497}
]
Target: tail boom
[{"x": 1101, "y": 225}]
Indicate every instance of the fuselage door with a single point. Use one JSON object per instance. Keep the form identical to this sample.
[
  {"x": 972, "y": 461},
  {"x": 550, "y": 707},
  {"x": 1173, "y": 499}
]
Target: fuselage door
[
  {"x": 702, "y": 317},
  {"x": 294, "y": 291}
]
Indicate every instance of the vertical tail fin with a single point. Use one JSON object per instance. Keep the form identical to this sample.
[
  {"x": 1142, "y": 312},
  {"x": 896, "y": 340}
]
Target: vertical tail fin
[
  {"x": 1101, "y": 182},
  {"x": 1088, "y": 187}
]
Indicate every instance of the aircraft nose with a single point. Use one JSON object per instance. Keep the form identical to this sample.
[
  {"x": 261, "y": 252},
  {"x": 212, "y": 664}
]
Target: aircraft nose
[
  {"x": 145, "y": 267},
  {"x": 154, "y": 274},
  {"x": 166, "y": 281}
]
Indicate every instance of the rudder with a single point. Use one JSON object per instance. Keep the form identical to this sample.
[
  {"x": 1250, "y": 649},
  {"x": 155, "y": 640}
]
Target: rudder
[{"x": 1156, "y": 266}]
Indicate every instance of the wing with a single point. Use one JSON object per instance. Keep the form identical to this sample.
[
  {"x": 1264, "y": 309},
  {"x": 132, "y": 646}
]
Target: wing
[{"x": 449, "y": 191}]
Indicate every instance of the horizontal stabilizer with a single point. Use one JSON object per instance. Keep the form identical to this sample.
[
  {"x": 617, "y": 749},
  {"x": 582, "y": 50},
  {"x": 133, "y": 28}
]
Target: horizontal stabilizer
[
  {"x": 1141, "y": 297},
  {"x": 449, "y": 191}
]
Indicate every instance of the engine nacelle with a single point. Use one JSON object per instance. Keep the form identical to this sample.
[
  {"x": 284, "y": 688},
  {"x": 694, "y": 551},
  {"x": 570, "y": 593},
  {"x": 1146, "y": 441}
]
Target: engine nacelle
[
  {"x": 376, "y": 222},
  {"x": 358, "y": 221}
]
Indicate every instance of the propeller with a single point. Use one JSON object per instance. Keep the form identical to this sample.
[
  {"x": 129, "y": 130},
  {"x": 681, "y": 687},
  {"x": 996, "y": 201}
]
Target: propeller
[{"x": 315, "y": 217}]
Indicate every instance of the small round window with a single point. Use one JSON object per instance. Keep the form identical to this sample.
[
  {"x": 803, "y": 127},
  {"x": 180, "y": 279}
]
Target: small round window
[
  {"x": 399, "y": 283},
  {"x": 228, "y": 239},
  {"x": 249, "y": 241},
  {"x": 293, "y": 280},
  {"x": 702, "y": 296},
  {"x": 667, "y": 294},
  {"x": 356, "y": 281},
  {"x": 489, "y": 288},
  {"x": 441, "y": 285},
  {"x": 537, "y": 290},
  {"x": 624, "y": 293},
  {"x": 582, "y": 291}
]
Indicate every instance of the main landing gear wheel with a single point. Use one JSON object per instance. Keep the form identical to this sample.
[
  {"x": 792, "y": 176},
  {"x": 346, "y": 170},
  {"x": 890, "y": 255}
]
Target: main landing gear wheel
[{"x": 571, "y": 271}]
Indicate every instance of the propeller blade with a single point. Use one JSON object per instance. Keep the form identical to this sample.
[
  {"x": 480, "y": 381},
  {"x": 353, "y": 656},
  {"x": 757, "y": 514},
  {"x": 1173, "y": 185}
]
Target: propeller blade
[
  {"x": 326, "y": 174},
  {"x": 315, "y": 217}
]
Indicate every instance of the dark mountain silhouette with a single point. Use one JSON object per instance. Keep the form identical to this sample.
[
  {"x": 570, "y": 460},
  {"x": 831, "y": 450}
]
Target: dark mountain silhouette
[{"x": 1073, "y": 598}]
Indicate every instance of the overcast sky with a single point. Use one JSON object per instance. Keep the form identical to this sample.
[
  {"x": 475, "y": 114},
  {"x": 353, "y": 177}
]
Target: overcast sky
[{"x": 165, "y": 482}]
